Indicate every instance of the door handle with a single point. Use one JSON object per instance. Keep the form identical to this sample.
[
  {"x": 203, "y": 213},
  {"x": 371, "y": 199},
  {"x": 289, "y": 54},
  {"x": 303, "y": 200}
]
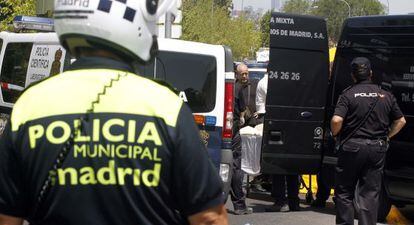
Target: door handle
[
  {"x": 306, "y": 114},
  {"x": 275, "y": 138}
]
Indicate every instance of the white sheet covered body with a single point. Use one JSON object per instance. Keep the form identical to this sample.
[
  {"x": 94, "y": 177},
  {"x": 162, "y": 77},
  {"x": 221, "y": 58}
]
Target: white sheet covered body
[{"x": 251, "y": 146}]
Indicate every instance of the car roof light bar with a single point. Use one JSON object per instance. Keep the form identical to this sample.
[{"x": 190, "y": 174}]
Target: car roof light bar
[{"x": 33, "y": 23}]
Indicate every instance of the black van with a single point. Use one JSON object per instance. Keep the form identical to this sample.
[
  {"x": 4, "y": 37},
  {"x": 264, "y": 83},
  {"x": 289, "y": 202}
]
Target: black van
[
  {"x": 388, "y": 41},
  {"x": 289, "y": 144}
]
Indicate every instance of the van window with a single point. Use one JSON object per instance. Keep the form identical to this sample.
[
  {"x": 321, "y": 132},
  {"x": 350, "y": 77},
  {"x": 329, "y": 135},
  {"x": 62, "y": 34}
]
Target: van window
[
  {"x": 392, "y": 59},
  {"x": 193, "y": 75},
  {"x": 14, "y": 69},
  {"x": 392, "y": 74}
]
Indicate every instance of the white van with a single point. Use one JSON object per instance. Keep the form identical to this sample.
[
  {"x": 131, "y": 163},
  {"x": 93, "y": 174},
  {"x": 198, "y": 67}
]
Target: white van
[
  {"x": 204, "y": 78},
  {"x": 26, "y": 58},
  {"x": 201, "y": 73}
]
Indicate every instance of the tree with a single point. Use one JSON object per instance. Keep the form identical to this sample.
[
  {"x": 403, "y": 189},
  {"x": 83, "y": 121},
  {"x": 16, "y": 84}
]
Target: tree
[
  {"x": 297, "y": 6},
  {"x": 336, "y": 11},
  {"x": 223, "y": 3},
  {"x": 265, "y": 29},
  {"x": 206, "y": 22},
  {"x": 11, "y": 8}
]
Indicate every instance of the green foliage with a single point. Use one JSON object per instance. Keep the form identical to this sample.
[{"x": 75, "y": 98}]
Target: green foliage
[
  {"x": 265, "y": 29},
  {"x": 204, "y": 23},
  {"x": 297, "y": 6},
  {"x": 11, "y": 8},
  {"x": 336, "y": 11},
  {"x": 223, "y": 3}
]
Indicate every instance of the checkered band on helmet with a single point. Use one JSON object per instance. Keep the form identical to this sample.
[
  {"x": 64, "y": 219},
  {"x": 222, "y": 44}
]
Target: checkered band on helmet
[
  {"x": 106, "y": 5},
  {"x": 123, "y": 26}
]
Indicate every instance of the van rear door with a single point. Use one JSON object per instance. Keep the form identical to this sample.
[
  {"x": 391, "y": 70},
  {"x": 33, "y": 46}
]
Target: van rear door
[{"x": 296, "y": 96}]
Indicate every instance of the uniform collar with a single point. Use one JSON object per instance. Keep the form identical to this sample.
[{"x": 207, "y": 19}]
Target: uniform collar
[
  {"x": 244, "y": 84},
  {"x": 365, "y": 82},
  {"x": 100, "y": 63}
]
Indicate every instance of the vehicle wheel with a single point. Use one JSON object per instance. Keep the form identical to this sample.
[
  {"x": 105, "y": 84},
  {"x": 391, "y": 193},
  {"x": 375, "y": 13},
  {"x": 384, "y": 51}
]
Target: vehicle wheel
[{"x": 384, "y": 206}]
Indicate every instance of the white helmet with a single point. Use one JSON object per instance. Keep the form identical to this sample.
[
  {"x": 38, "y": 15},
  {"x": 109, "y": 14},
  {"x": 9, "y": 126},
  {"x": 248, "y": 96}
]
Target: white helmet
[{"x": 125, "y": 27}]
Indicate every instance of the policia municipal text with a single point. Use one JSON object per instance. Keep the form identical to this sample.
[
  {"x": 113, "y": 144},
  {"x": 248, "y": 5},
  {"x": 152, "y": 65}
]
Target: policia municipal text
[
  {"x": 362, "y": 119},
  {"x": 99, "y": 144}
]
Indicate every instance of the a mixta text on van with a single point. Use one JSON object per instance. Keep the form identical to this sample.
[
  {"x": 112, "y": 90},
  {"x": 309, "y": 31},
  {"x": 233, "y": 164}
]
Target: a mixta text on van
[{"x": 282, "y": 20}]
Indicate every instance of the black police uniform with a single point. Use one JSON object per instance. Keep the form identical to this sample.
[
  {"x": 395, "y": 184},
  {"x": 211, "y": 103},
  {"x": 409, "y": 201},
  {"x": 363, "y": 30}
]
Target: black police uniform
[
  {"x": 138, "y": 158},
  {"x": 361, "y": 158}
]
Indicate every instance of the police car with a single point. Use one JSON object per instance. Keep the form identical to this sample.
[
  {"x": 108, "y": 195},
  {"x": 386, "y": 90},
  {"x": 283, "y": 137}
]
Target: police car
[
  {"x": 201, "y": 73},
  {"x": 257, "y": 70},
  {"x": 26, "y": 58}
]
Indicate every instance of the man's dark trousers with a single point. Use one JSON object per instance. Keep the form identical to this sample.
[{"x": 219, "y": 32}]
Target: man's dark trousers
[
  {"x": 279, "y": 185},
  {"x": 360, "y": 163},
  {"x": 236, "y": 192},
  {"x": 324, "y": 190}
]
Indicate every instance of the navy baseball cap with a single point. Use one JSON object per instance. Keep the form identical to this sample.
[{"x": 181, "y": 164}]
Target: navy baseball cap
[{"x": 361, "y": 68}]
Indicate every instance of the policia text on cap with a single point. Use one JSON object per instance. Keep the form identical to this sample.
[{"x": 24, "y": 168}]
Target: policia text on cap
[{"x": 365, "y": 118}]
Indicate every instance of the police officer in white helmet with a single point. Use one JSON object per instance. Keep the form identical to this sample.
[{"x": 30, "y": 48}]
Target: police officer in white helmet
[{"x": 99, "y": 144}]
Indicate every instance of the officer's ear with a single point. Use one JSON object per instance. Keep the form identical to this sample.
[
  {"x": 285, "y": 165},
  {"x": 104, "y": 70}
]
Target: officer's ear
[{"x": 353, "y": 78}]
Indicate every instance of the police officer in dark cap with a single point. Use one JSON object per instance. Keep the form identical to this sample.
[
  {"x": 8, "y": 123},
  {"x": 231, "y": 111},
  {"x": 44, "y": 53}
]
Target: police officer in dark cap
[{"x": 364, "y": 120}]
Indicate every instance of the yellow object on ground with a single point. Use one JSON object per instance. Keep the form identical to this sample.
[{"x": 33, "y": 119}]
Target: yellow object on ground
[
  {"x": 332, "y": 52},
  {"x": 396, "y": 218},
  {"x": 305, "y": 178}
]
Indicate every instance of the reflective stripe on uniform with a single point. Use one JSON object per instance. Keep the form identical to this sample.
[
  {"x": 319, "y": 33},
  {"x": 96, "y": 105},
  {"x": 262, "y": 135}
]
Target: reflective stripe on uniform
[{"x": 74, "y": 91}]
